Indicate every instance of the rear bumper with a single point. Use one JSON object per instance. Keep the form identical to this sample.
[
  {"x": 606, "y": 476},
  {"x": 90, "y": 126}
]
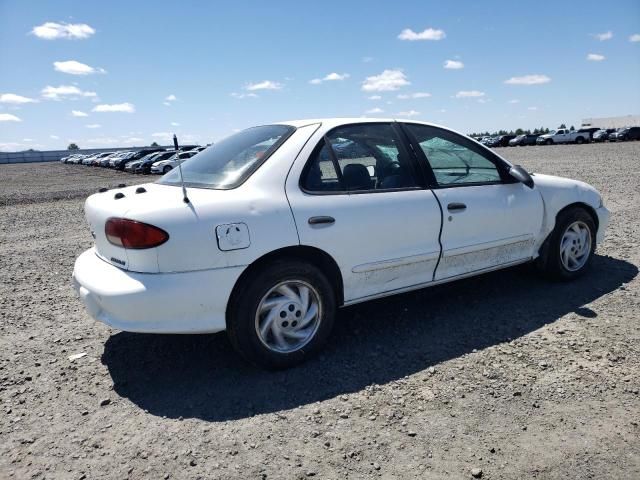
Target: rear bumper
[
  {"x": 188, "y": 302},
  {"x": 603, "y": 222}
]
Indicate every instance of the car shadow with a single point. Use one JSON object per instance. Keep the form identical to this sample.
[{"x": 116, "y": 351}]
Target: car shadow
[{"x": 200, "y": 376}]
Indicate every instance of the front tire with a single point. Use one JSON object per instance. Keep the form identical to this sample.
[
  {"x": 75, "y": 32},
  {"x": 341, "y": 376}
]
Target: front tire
[
  {"x": 166, "y": 169},
  {"x": 579, "y": 140},
  {"x": 548, "y": 142},
  {"x": 282, "y": 314},
  {"x": 570, "y": 245}
]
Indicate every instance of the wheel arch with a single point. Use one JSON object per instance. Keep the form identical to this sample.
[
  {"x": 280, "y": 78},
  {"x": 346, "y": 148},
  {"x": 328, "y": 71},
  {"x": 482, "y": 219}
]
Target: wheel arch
[
  {"x": 588, "y": 208},
  {"x": 312, "y": 255}
]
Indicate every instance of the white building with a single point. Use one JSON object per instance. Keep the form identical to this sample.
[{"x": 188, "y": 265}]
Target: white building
[{"x": 612, "y": 122}]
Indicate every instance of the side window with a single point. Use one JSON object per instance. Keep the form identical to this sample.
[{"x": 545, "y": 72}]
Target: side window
[
  {"x": 365, "y": 157},
  {"x": 453, "y": 159}
]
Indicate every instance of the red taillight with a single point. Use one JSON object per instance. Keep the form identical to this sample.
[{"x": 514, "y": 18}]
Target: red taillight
[{"x": 131, "y": 234}]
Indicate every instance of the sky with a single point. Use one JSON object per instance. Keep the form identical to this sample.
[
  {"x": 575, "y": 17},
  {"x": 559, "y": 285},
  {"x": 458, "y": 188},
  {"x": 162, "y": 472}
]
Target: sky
[{"x": 115, "y": 73}]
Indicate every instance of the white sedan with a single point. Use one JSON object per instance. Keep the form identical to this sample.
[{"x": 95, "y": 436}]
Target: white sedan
[
  {"x": 164, "y": 166},
  {"x": 282, "y": 224}
]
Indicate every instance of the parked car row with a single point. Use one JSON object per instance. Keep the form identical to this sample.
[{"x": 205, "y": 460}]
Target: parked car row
[
  {"x": 147, "y": 160},
  {"x": 563, "y": 135}
]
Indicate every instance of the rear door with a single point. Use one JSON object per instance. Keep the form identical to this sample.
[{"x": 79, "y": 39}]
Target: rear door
[
  {"x": 489, "y": 219},
  {"x": 356, "y": 194}
]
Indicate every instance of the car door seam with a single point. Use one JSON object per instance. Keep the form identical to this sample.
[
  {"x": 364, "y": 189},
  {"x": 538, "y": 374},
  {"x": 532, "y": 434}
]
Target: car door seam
[{"x": 435, "y": 270}]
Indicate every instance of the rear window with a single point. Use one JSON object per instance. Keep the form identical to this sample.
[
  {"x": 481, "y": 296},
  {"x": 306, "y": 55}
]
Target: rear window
[{"x": 229, "y": 162}]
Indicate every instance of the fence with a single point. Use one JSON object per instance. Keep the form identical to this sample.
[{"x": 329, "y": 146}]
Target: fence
[{"x": 55, "y": 155}]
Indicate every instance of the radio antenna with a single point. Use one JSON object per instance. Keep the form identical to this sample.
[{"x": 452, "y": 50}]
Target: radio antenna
[{"x": 185, "y": 199}]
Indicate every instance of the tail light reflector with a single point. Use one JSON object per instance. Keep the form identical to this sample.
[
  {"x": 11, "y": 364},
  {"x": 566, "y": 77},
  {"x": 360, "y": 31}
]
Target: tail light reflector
[{"x": 135, "y": 235}]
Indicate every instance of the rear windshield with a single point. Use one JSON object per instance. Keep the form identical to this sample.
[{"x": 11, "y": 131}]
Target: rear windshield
[{"x": 229, "y": 162}]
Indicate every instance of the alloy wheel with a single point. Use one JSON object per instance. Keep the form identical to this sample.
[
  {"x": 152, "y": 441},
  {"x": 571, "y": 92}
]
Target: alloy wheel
[
  {"x": 575, "y": 246},
  {"x": 288, "y": 316}
]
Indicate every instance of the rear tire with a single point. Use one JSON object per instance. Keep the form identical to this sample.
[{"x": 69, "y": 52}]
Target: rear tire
[
  {"x": 282, "y": 314},
  {"x": 569, "y": 248},
  {"x": 166, "y": 169}
]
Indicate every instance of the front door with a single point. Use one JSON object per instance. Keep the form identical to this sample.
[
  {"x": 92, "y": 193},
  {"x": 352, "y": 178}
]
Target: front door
[
  {"x": 357, "y": 195},
  {"x": 489, "y": 220}
]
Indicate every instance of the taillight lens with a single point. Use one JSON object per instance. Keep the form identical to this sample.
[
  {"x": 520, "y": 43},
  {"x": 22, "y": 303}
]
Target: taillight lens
[{"x": 135, "y": 235}]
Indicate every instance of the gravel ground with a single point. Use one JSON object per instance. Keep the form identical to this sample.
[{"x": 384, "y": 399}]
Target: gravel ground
[{"x": 503, "y": 376}]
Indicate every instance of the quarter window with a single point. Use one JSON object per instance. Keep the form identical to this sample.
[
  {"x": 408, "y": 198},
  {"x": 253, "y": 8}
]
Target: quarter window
[
  {"x": 364, "y": 157},
  {"x": 454, "y": 159}
]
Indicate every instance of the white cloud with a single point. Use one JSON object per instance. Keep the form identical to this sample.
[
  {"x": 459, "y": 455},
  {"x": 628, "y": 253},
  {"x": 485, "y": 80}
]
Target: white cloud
[
  {"x": 374, "y": 110},
  {"x": 453, "y": 65},
  {"x": 53, "y": 30},
  {"x": 175, "y": 124},
  {"x": 604, "y": 36},
  {"x": 73, "y": 67},
  {"x": 165, "y": 135},
  {"x": 367, "y": 59},
  {"x": 266, "y": 85},
  {"x": 170, "y": 98},
  {"x": 528, "y": 80},
  {"x": 375, "y": 97},
  {"x": 54, "y": 137},
  {"x": 388, "y": 80},
  {"x": 532, "y": 108},
  {"x": 7, "y": 117},
  {"x": 469, "y": 94},
  {"x": 514, "y": 101},
  {"x": 240, "y": 96},
  {"x": 428, "y": 34},
  {"x": 410, "y": 113},
  {"x": 329, "y": 78},
  {"x": 14, "y": 99},
  {"x": 595, "y": 57},
  {"x": 65, "y": 91},
  {"x": 133, "y": 140},
  {"x": 78, "y": 113},
  {"x": 93, "y": 125},
  {"x": 406, "y": 96},
  {"x": 635, "y": 37},
  {"x": 115, "y": 107}
]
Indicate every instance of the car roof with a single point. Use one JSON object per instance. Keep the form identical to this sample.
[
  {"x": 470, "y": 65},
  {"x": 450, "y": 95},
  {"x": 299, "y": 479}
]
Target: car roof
[{"x": 338, "y": 121}]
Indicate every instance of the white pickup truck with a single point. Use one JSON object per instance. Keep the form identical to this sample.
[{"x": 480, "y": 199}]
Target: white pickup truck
[{"x": 563, "y": 135}]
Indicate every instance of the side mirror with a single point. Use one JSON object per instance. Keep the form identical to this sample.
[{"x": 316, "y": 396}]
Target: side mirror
[{"x": 521, "y": 175}]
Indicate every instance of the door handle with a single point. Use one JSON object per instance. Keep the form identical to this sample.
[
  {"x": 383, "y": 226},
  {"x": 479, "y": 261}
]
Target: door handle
[
  {"x": 321, "y": 220},
  {"x": 456, "y": 207}
]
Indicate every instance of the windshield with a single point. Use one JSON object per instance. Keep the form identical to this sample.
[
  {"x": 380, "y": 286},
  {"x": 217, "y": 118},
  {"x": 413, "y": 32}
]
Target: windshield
[{"x": 231, "y": 161}]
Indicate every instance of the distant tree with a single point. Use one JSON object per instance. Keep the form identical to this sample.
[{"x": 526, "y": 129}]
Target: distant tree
[
  {"x": 572, "y": 128},
  {"x": 546, "y": 130},
  {"x": 562, "y": 126},
  {"x": 73, "y": 146},
  {"x": 155, "y": 144},
  {"x": 519, "y": 131}
]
